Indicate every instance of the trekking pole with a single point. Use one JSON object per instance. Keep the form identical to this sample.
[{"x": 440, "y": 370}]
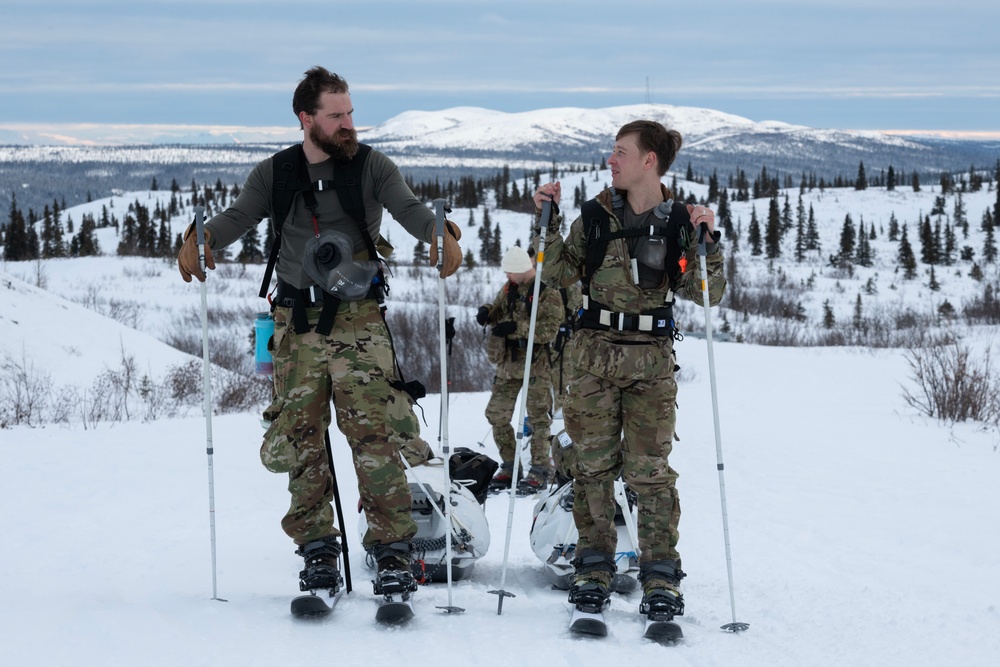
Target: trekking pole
[
  {"x": 440, "y": 207},
  {"x": 540, "y": 261},
  {"x": 702, "y": 253},
  {"x": 199, "y": 223},
  {"x": 340, "y": 512}
]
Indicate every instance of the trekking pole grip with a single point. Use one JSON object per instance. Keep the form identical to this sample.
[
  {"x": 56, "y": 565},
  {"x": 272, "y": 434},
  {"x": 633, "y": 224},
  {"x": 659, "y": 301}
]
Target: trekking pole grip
[
  {"x": 199, "y": 228},
  {"x": 543, "y": 221},
  {"x": 440, "y": 208}
]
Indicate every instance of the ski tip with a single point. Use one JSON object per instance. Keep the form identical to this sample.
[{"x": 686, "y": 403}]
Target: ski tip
[
  {"x": 310, "y": 606},
  {"x": 736, "y": 627},
  {"x": 394, "y": 613},
  {"x": 663, "y": 632}
]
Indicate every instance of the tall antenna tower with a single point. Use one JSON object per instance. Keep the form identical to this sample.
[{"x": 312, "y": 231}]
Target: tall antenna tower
[{"x": 649, "y": 94}]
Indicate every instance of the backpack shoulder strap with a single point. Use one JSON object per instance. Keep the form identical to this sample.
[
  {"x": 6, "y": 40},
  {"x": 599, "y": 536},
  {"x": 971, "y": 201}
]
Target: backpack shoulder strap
[
  {"x": 285, "y": 184},
  {"x": 597, "y": 223}
]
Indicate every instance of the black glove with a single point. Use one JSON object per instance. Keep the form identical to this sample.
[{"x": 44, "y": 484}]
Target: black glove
[
  {"x": 504, "y": 329},
  {"x": 483, "y": 316}
]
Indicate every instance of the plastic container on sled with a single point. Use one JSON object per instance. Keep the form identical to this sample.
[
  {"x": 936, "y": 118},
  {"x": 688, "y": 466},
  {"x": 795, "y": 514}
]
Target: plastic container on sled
[
  {"x": 554, "y": 537},
  {"x": 470, "y": 538}
]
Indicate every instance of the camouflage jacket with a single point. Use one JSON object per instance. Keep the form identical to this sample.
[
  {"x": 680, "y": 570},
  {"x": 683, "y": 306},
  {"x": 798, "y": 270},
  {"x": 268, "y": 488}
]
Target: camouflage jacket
[
  {"x": 612, "y": 284},
  {"x": 513, "y": 304}
]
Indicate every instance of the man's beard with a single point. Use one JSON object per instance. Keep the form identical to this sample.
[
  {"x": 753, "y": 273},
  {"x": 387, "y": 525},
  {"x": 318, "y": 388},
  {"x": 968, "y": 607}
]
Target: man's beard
[{"x": 342, "y": 145}]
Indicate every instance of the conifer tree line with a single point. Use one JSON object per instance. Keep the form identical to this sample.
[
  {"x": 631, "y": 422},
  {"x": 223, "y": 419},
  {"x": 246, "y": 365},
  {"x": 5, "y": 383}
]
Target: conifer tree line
[
  {"x": 940, "y": 232},
  {"x": 141, "y": 231}
]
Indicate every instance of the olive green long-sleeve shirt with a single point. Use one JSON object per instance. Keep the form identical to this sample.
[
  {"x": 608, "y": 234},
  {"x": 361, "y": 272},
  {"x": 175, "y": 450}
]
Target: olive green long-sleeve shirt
[{"x": 382, "y": 186}]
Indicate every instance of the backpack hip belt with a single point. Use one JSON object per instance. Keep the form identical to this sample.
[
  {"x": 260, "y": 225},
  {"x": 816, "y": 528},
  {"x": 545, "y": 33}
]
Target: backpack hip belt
[{"x": 659, "y": 322}]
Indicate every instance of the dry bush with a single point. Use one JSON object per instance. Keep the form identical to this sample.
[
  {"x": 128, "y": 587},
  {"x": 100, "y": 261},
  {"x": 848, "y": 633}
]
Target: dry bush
[{"x": 952, "y": 385}]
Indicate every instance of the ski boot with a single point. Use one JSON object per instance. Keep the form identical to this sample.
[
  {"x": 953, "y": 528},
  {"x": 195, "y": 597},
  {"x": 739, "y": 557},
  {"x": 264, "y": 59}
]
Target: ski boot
[
  {"x": 322, "y": 566},
  {"x": 591, "y": 590},
  {"x": 661, "y": 596},
  {"x": 503, "y": 477},
  {"x": 536, "y": 480},
  {"x": 394, "y": 576}
]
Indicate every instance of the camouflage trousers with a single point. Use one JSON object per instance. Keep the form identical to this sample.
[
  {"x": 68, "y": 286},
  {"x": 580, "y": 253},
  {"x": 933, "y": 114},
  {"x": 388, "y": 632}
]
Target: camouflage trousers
[
  {"x": 620, "y": 413},
  {"x": 500, "y": 411},
  {"x": 352, "y": 367}
]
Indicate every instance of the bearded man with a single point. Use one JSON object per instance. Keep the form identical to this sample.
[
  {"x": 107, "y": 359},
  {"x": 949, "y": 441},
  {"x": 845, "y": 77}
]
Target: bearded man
[{"x": 323, "y": 197}]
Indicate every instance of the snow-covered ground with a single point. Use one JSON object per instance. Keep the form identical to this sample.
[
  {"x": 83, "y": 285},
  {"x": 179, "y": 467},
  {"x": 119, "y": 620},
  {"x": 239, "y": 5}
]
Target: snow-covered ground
[{"x": 862, "y": 533}]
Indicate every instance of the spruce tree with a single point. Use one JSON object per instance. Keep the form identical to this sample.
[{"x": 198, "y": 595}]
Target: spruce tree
[
  {"x": 928, "y": 248},
  {"x": 800, "y": 237},
  {"x": 812, "y": 233},
  {"x": 485, "y": 238},
  {"x": 848, "y": 237},
  {"x": 496, "y": 249},
  {"x": 754, "y": 233},
  {"x": 893, "y": 227},
  {"x": 989, "y": 247},
  {"x": 15, "y": 246},
  {"x": 725, "y": 214},
  {"x": 861, "y": 183},
  {"x": 996, "y": 206},
  {"x": 828, "y": 319},
  {"x": 250, "y": 252},
  {"x": 906, "y": 258},
  {"x": 772, "y": 236}
]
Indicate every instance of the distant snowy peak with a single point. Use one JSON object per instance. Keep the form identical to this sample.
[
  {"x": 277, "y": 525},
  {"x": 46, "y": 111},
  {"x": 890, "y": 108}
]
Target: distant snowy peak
[{"x": 474, "y": 128}]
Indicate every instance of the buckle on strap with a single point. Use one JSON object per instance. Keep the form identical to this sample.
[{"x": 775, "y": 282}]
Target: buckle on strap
[{"x": 625, "y": 322}]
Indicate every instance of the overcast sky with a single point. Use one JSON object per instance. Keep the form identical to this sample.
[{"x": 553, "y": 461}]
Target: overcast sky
[{"x": 845, "y": 64}]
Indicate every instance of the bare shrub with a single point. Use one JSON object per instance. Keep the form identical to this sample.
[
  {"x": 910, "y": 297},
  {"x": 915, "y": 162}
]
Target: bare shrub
[
  {"x": 781, "y": 332},
  {"x": 983, "y": 309},
  {"x": 24, "y": 392},
  {"x": 240, "y": 393},
  {"x": 128, "y": 313},
  {"x": 951, "y": 385},
  {"x": 416, "y": 338},
  {"x": 184, "y": 382}
]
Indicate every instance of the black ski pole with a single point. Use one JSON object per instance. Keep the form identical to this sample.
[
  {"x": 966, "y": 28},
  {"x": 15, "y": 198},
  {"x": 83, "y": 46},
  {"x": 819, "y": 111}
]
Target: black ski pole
[{"x": 340, "y": 512}]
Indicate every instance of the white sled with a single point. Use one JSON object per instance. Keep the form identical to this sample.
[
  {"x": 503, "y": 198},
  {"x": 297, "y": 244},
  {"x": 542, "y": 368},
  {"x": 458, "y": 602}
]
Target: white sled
[
  {"x": 554, "y": 537},
  {"x": 470, "y": 539}
]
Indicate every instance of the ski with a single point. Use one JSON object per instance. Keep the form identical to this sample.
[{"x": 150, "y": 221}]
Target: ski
[
  {"x": 315, "y": 606},
  {"x": 394, "y": 611},
  {"x": 590, "y": 624},
  {"x": 662, "y": 631}
]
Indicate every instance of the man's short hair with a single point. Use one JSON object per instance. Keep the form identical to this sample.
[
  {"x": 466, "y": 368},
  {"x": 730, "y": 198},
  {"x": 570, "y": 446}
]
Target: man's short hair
[
  {"x": 316, "y": 81},
  {"x": 652, "y": 136}
]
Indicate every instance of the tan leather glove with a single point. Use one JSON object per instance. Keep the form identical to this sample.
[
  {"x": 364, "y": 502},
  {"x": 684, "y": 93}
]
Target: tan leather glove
[
  {"x": 187, "y": 258},
  {"x": 452, "y": 251}
]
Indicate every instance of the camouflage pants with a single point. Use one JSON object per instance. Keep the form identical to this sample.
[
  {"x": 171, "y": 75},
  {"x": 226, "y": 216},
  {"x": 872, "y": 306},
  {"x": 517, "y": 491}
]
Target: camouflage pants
[
  {"x": 353, "y": 368},
  {"x": 620, "y": 413},
  {"x": 500, "y": 411}
]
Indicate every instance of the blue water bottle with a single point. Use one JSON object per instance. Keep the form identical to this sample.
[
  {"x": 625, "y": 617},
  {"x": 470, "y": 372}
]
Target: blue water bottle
[{"x": 263, "y": 331}]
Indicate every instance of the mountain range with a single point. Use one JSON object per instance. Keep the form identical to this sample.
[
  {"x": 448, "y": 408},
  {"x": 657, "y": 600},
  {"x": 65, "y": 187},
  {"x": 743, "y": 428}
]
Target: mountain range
[{"x": 461, "y": 141}]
